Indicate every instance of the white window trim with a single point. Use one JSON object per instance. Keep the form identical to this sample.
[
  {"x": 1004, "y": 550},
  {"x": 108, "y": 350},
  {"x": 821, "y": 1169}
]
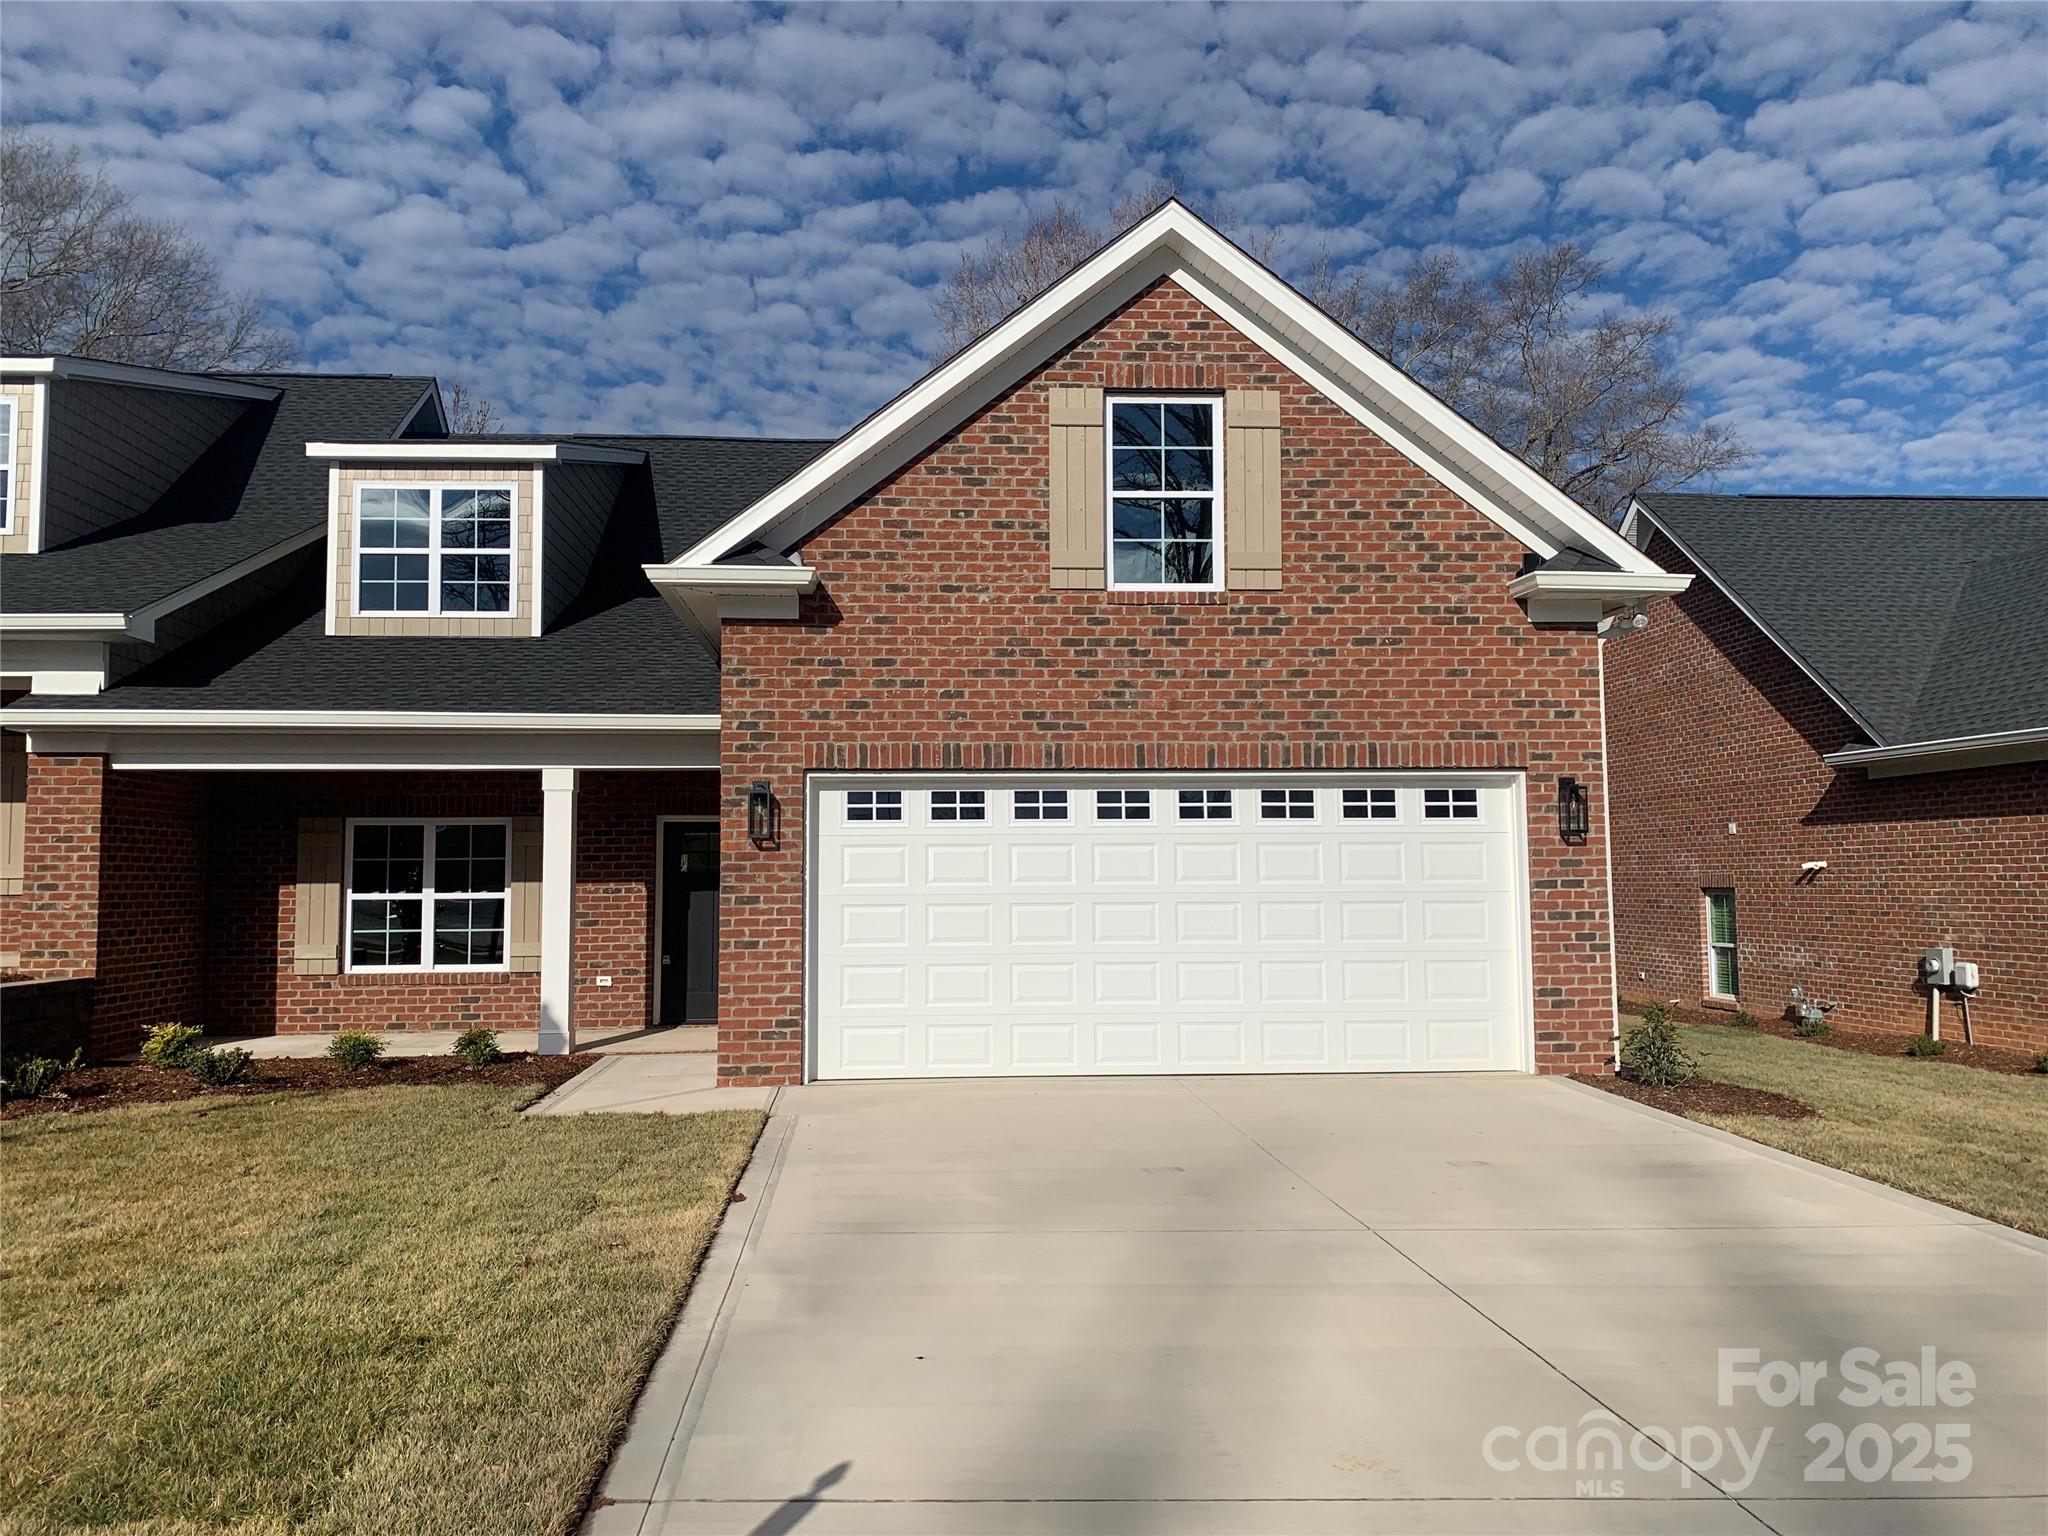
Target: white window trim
[
  {"x": 1368, "y": 790},
  {"x": 426, "y": 967},
  {"x": 1110, "y": 401},
  {"x": 434, "y": 550},
  {"x": 7, "y": 462},
  {"x": 1713, "y": 992}
]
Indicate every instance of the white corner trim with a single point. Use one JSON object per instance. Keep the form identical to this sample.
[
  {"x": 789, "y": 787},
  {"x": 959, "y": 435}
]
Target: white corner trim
[
  {"x": 1755, "y": 618},
  {"x": 347, "y": 719},
  {"x": 1945, "y": 754},
  {"x": 455, "y": 451},
  {"x": 333, "y": 549},
  {"x": 902, "y": 425},
  {"x": 95, "y": 371},
  {"x": 538, "y": 554}
]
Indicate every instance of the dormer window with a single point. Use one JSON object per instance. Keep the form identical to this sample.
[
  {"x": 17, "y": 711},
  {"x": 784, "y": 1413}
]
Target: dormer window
[
  {"x": 433, "y": 549},
  {"x": 1164, "y": 521}
]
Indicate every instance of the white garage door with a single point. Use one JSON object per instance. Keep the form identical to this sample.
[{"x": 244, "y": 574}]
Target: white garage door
[{"x": 984, "y": 927}]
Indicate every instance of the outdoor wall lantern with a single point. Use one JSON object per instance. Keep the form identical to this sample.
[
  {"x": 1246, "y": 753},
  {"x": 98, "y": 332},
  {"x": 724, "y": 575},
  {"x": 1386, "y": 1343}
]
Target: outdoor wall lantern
[
  {"x": 1572, "y": 817},
  {"x": 760, "y": 813}
]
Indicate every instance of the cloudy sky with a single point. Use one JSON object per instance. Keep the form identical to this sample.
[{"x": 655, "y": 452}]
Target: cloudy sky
[{"x": 721, "y": 219}]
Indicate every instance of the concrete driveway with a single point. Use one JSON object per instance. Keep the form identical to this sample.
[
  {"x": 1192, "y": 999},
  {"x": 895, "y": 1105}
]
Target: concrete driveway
[{"x": 1342, "y": 1304}]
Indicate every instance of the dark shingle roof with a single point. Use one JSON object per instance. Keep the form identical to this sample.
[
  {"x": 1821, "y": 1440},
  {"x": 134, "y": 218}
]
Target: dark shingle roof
[
  {"x": 1577, "y": 560},
  {"x": 617, "y": 648},
  {"x": 252, "y": 490},
  {"x": 1925, "y": 614}
]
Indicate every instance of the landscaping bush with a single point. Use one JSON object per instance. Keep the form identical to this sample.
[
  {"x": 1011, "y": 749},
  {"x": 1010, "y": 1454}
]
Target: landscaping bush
[
  {"x": 2041, "y": 1062},
  {"x": 1808, "y": 1029},
  {"x": 172, "y": 1045},
  {"x": 355, "y": 1049},
  {"x": 219, "y": 1067},
  {"x": 36, "y": 1077},
  {"x": 478, "y": 1047},
  {"x": 1657, "y": 1013},
  {"x": 1744, "y": 1020},
  {"x": 1651, "y": 1055}
]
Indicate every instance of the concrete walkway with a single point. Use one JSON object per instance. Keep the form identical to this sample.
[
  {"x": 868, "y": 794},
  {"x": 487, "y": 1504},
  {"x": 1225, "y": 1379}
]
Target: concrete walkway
[
  {"x": 1291, "y": 1305},
  {"x": 651, "y": 1085}
]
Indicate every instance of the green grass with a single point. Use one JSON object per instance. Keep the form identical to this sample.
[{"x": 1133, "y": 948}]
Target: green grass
[
  {"x": 390, "y": 1310},
  {"x": 1972, "y": 1139}
]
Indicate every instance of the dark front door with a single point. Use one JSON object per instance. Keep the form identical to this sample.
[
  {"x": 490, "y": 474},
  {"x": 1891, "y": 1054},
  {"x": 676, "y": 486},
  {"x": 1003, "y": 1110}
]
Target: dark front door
[{"x": 689, "y": 923}]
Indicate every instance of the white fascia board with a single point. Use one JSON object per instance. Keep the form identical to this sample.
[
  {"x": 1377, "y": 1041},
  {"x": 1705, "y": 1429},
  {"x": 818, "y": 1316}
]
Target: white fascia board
[
  {"x": 1948, "y": 753},
  {"x": 92, "y": 626},
  {"x": 234, "y": 573},
  {"x": 334, "y": 751},
  {"x": 1764, "y": 629},
  {"x": 1624, "y": 586},
  {"x": 455, "y": 451},
  {"x": 96, "y": 371},
  {"x": 350, "y": 720},
  {"x": 734, "y": 578},
  {"x": 1541, "y": 516}
]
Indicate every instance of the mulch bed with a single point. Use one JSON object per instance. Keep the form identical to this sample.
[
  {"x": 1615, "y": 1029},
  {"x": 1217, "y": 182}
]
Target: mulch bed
[
  {"x": 1880, "y": 1042},
  {"x": 113, "y": 1087},
  {"x": 1703, "y": 1098}
]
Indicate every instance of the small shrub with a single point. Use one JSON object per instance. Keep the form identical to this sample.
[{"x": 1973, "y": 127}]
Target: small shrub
[
  {"x": 1744, "y": 1020},
  {"x": 1925, "y": 1045},
  {"x": 355, "y": 1049},
  {"x": 478, "y": 1047},
  {"x": 1809, "y": 1029},
  {"x": 172, "y": 1045},
  {"x": 219, "y": 1067},
  {"x": 1657, "y": 1014},
  {"x": 36, "y": 1077},
  {"x": 2041, "y": 1062},
  {"x": 1652, "y": 1056}
]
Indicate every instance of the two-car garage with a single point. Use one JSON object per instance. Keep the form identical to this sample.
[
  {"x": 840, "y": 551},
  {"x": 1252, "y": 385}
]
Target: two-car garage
[{"x": 1072, "y": 924}]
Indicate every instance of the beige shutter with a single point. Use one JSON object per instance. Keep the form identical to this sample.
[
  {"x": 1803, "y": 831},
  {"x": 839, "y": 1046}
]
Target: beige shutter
[
  {"x": 316, "y": 935},
  {"x": 1251, "y": 489},
  {"x": 522, "y": 941},
  {"x": 1076, "y": 480},
  {"x": 13, "y": 810}
]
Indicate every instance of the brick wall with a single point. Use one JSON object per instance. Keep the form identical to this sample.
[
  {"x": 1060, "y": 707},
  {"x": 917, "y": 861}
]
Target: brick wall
[
  {"x": 936, "y": 640},
  {"x": 1709, "y": 723},
  {"x": 178, "y": 891}
]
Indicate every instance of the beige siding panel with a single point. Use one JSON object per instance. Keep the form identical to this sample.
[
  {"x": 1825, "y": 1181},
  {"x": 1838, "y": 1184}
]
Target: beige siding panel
[
  {"x": 1074, "y": 480},
  {"x": 21, "y": 485},
  {"x": 1251, "y": 489},
  {"x": 522, "y": 940},
  {"x": 13, "y": 811},
  {"x": 316, "y": 932},
  {"x": 519, "y": 622}
]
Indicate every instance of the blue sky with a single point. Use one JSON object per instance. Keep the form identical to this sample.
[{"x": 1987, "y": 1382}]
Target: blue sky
[{"x": 727, "y": 219}]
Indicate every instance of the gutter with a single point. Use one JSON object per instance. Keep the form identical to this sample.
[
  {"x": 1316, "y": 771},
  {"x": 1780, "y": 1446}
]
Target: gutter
[
  {"x": 346, "y": 719},
  {"x": 1945, "y": 754}
]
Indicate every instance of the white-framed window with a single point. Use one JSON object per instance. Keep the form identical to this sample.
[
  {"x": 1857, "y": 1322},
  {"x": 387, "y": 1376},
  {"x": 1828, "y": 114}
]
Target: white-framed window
[
  {"x": 874, "y": 805},
  {"x": 1371, "y": 805},
  {"x": 433, "y": 549},
  {"x": 1165, "y": 513},
  {"x": 6, "y": 466},
  {"x": 1287, "y": 805},
  {"x": 428, "y": 895},
  {"x": 1123, "y": 805},
  {"x": 959, "y": 805},
  {"x": 1205, "y": 805},
  {"x": 1450, "y": 804},
  {"x": 1038, "y": 804},
  {"x": 1723, "y": 977}
]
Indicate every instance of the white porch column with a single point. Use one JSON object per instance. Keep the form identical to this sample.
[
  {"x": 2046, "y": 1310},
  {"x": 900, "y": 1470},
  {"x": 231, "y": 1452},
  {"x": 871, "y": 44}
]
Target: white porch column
[{"x": 557, "y": 909}]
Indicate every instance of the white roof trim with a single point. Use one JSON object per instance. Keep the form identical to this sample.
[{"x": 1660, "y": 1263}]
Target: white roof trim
[
  {"x": 437, "y": 450},
  {"x": 207, "y": 586},
  {"x": 346, "y": 719},
  {"x": 1622, "y": 584},
  {"x": 1637, "y": 508},
  {"x": 105, "y": 625},
  {"x": 1948, "y": 746},
  {"x": 1493, "y": 479},
  {"x": 99, "y": 372},
  {"x": 734, "y": 578}
]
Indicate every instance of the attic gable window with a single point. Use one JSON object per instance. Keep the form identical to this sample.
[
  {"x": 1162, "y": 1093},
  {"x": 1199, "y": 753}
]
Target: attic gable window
[
  {"x": 1164, "y": 522},
  {"x": 433, "y": 549}
]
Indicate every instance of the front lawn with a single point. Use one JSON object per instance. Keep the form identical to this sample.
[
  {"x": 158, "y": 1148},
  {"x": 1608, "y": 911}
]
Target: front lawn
[
  {"x": 1968, "y": 1138},
  {"x": 398, "y": 1310}
]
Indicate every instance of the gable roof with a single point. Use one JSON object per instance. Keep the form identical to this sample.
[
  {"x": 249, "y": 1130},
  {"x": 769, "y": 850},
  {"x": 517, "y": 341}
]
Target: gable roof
[
  {"x": 1921, "y": 616},
  {"x": 252, "y": 491},
  {"x": 1174, "y": 243}
]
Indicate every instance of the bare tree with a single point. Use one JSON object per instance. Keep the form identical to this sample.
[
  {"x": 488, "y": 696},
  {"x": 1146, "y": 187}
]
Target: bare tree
[
  {"x": 469, "y": 413},
  {"x": 1595, "y": 404},
  {"x": 80, "y": 273}
]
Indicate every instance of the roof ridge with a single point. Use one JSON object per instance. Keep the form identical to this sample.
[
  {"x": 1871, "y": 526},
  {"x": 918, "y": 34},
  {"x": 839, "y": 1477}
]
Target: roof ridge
[{"x": 1646, "y": 496}]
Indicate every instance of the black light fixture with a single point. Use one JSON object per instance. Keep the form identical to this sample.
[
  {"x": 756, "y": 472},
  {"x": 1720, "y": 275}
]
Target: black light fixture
[
  {"x": 760, "y": 813},
  {"x": 1572, "y": 816}
]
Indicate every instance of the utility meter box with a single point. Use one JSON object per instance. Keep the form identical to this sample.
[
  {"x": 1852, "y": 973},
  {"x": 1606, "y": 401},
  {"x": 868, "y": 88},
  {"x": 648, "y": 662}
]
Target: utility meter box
[
  {"x": 1963, "y": 975},
  {"x": 1936, "y": 966}
]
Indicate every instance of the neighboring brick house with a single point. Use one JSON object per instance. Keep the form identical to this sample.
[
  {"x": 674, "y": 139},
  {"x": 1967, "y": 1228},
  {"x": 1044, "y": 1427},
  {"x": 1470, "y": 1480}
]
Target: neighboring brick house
[
  {"x": 1164, "y": 683},
  {"x": 1830, "y": 755}
]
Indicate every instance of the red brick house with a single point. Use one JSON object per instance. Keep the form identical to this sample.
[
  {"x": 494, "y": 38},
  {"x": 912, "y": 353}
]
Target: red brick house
[
  {"x": 1165, "y": 683},
  {"x": 1830, "y": 755}
]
